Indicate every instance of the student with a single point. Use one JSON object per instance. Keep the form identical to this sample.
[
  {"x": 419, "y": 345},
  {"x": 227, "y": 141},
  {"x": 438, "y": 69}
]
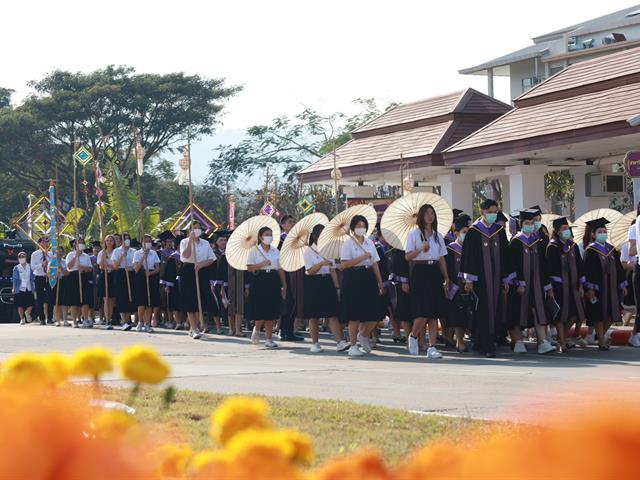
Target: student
[
  {"x": 170, "y": 266},
  {"x": 234, "y": 292},
  {"x": 634, "y": 339},
  {"x": 123, "y": 263},
  {"x": 401, "y": 303},
  {"x": 527, "y": 305},
  {"x": 268, "y": 286},
  {"x": 291, "y": 308},
  {"x": 605, "y": 281},
  {"x": 425, "y": 250},
  {"x": 58, "y": 290},
  {"x": 384, "y": 252},
  {"x": 451, "y": 233},
  {"x": 195, "y": 255},
  {"x": 147, "y": 293},
  {"x": 485, "y": 266},
  {"x": 219, "y": 247},
  {"x": 458, "y": 315},
  {"x": 106, "y": 279},
  {"x": 79, "y": 290},
  {"x": 23, "y": 287},
  {"x": 321, "y": 293},
  {"x": 566, "y": 272},
  {"x": 39, "y": 261},
  {"x": 361, "y": 286}
]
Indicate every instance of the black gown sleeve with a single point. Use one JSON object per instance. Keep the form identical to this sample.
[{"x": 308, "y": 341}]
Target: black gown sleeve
[
  {"x": 552, "y": 257},
  {"x": 168, "y": 276},
  {"x": 620, "y": 273},
  {"x": 505, "y": 258},
  {"x": 592, "y": 270},
  {"x": 580, "y": 263},
  {"x": 515, "y": 259},
  {"x": 450, "y": 259},
  {"x": 472, "y": 256}
]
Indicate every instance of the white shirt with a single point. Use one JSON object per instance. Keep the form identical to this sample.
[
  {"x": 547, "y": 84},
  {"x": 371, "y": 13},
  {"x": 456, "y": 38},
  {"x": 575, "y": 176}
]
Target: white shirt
[
  {"x": 110, "y": 257},
  {"x": 119, "y": 256},
  {"x": 436, "y": 250},
  {"x": 39, "y": 260},
  {"x": 624, "y": 253},
  {"x": 258, "y": 255},
  {"x": 202, "y": 250},
  {"x": 633, "y": 235},
  {"x": 84, "y": 260},
  {"x": 313, "y": 258},
  {"x": 25, "y": 277},
  {"x": 351, "y": 250},
  {"x": 152, "y": 259}
]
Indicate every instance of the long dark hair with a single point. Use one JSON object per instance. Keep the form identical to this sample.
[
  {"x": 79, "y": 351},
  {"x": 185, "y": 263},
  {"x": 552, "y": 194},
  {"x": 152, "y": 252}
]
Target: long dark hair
[
  {"x": 586, "y": 239},
  {"x": 421, "y": 223},
  {"x": 357, "y": 219},
  {"x": 315, "y": 234}
]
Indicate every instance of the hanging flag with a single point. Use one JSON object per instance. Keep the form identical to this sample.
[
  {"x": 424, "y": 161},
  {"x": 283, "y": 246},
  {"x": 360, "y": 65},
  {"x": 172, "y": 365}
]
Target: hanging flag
[
  {"x": 268, "y": 209},
  {"x": 232, "y": 212},
  {"x": 139, "y": 157},
  {"x": 183, "y": 176},
  {"x": 53, "y": 237},
  {"x": 83, "y": 156},
  {"x": 306, "y": 204}
]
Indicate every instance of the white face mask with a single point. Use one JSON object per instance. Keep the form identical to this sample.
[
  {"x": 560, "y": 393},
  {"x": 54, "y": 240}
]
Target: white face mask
[
  {"x": 360, "y": 231},
  {"x": 197, "y": 232},
  {"x": 127, "y": 242},
  {"x": 22, "y": 261},
  {"x": 81, "y": 246},
  {"x": 147, "y": 246},
  {"x": 267, "y": 240}
]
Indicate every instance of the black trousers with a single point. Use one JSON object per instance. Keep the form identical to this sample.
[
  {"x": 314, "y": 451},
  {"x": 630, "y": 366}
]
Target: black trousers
[
  {"x": 288, "y": 315},
  {"x": 43, "y": 292}
]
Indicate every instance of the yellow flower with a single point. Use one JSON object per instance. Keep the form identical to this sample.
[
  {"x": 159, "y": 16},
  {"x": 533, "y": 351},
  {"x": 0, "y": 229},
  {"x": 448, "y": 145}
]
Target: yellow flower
[
  {"x": 302, "y": 445},
  {"x": 25, "y": 370},
  {"x": 208, "y": 459},
  {"x": 92, "y": 361},
  {"x": 113, "y": 423},
  {"x": 59, "y": 366},
  {"x": 237, "y": 414},
  {"x": 142, "y": 364},
  {"x": 257, "y": 447},
  {"x": 174, "y": 460}
]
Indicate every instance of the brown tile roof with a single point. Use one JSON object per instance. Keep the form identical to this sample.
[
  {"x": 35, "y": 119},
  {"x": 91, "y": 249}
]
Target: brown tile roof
[{"x": 588, "y": 110}]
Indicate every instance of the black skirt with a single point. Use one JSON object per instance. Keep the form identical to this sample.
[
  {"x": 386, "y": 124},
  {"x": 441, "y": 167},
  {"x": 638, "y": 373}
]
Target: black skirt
[
  {"x": 360, "y": 297},
  {"x": 401, "y": 304},
  {"x": 265, "y": 299},
  {"x": 140, "y": 297},
  {"x": 124, "y": 304},
  {"x": 43, "y": 290},
  {"x": 320, "y": 297},
  {"x": 23, "y": 299},
  {"x": 102, "y": 291},
  {"x": 458, "y": 313},
  {"x": 427, "y": 293},
  {"x": 173, "y": 297},
  {"x": 58, "y": 298},
  {"x": 189, "y": 291},
  {"x": 72, "y": 289}
]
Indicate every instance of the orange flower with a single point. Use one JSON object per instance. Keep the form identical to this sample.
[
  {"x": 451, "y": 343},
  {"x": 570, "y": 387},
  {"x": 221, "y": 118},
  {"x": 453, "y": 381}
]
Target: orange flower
[
  {"x": 236, "y": 414},
  {"x": 362, "y": 465}
]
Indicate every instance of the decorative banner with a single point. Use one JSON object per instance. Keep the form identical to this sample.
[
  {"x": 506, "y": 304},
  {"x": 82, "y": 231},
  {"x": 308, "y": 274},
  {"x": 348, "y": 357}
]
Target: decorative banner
[
  {"x": 184, "y": 221},
  {"x": 139, "y": 157},
  {"x": 53, "y": 237},
  {"x": 83, "y": 156},
  {"x": 379, "y": 204},
  {"x": 632, "y": 164},
  {"x": 306, "y": 205},
  {"x": 110, "y": 153},
  {"x": 232, "y": 212},
  {"x": 268, "y": 209},
  {"x": 183, "y": 175},
  {"x": 35, "y": 221}
]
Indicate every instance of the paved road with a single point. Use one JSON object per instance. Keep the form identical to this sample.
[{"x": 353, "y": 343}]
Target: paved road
[{"x": 517, "y": 388}]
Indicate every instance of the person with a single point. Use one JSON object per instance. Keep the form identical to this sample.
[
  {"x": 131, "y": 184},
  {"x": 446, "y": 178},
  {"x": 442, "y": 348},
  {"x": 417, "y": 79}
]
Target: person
[
  {"x": 634, "y": 339},
  {"x": 451, "y": 235},
  {"x": 170, "y": 266},
  {"x": 459, "y": 315},
  {"x": 361, "y": 286},
  {"x": 401, "y": 298},
  {"x": 79, "y": 291},
  {"x": 291, "y": 307},
  {"x": 425, "y": 250},
  {"x": 195, "y": 255},
  {"x": 384, "y": 252},
  {"x": 268, "y": 287},
  {"x": 39, "y": 261},
  {"x": 147, "y": 293},
  {"x": 321, "y": 293},
  {"x": 23, "y": 287},
  {"x": 58, "y": 290},
  {"x": 96, "y": 301},
  {"x": 210, "y": 304},
  {"x": 123, "y": 263},
  {"x": 234, "y": 291},
  {"x": 605, "y": 281},
  {"x": 218, "y": 283},
  {"x": 566, "y": 272},
  {"x": 526, "y": 303},
  {"x": 106, "y": 279},
  {"x": 485, "y": 265}
]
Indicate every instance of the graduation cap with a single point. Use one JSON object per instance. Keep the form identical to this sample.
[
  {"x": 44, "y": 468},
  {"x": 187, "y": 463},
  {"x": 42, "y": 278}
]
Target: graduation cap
[
  {"x": 559, "y": 222},
  {"x": 528, "y": 214},
  {"x": 135, "y": 243},
  {"x": 536, "y": 208},
  {"x": 597, "y": 223},
  {"x": 223, "y": 234},
  {"x": 461, "y": 222},
  {"x": 457, "y": 212}
]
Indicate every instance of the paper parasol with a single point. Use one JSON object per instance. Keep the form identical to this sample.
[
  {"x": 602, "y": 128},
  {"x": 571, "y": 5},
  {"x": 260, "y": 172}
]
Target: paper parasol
[
  {"x": 547, "y": 220},
  {"x": 292, "y": 252},
  {"x": 619, "y": 231},
  {"x": 245, "y": 237},
  {"x": 580, "y": 224},
  {"x": 337, "y": 230},
  {"x": 399, "y": 219}
]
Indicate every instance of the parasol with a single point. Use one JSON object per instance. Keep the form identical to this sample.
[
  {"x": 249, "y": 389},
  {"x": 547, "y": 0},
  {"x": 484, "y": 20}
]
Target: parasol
[
  {"x": 580, "y": 224},
  {"x": 292, "y": 253},
  {"x": 245, "y": 237},
  {"x": 619, "y": 231},
  {"x": 399, "y": 219},
  {"x": 337, "y": 230}
]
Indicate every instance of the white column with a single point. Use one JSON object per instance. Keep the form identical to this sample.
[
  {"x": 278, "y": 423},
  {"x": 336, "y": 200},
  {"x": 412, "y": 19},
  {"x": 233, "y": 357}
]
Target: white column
[
  {"x": 526, "y": 186},
  {"x": 506, "y": 198},
  {"x": 490, "y": 82},
  {"x": 456, "y": 188},
  {"x": 582, "y": 203}
]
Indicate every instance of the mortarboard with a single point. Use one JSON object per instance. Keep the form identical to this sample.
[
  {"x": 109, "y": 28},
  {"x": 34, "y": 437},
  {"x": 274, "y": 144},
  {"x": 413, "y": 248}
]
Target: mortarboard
[
  {"x": 528, "y": 214},
  {"x": 597, "y": 223},
  {"x": 461, "y": 222},
  {"x": 457, "y": 212},
  {"x": 558, "y": 222}
]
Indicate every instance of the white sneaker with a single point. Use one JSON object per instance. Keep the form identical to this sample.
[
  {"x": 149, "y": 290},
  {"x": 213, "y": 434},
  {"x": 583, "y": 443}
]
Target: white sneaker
[
  {"x": 354, "y": 351},
  {"x": 65, "y": 324},
  {"x": 364, "y": 343},
  {"x": 87, "y": 323},
  {"x": 196, "y": 334},
  {"x": 519, "y": 347},
  {"x": 270, "y": 344},
  {"x": 581, "y": 342},
  {"x": 139, "y": 327},
  {"x": 607, "y": 336},
  {"x": 545, "y": 347},
  {"x": 28, "y": 315},
  {"x": 315, "y": 348},
  {"x": 127, "y": 326},
  {"x": 433, "y": 353},
  {"x": 591, "y": 339},
  {"x": 551, "y": 340},
  {"x": 342, "y": 345},
  {"x": 634, "y": 340},
  {"x": 255, "y": 336},
  {"x": 148, "y": 328},
  {"x": 22, "y": 322},
  {"x": 413, "y": 345}
]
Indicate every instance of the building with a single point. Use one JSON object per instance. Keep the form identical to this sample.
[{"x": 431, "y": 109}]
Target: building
[{"x": 555, "y": 51}]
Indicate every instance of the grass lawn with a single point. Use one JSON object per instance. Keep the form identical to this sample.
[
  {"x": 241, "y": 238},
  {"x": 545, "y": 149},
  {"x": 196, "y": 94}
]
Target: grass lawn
[{"x": 336, "y": 426}]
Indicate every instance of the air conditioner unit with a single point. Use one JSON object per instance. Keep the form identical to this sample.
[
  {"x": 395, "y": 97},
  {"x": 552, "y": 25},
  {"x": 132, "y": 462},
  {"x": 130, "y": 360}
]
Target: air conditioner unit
[
  {"x": 605, "y": 184},
  {"x": 359, "y": 191}
]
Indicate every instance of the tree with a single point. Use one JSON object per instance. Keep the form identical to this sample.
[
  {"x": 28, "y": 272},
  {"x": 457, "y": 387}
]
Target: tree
[{"x": 5, "y": 97}]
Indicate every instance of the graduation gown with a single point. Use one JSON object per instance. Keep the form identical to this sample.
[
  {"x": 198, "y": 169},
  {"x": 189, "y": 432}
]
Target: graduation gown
[
  {"x": 384, "y": 252},
  {"x": 528, "y": 261},
  {"x": 566, "y": 273},
  {"x": 169, "y": 278},
  {"x": 399, "y": 275},
  {"x": 485, "y": 262},
  {"x": 458, "y": 315},
  {"x": 605, "y": 276}
]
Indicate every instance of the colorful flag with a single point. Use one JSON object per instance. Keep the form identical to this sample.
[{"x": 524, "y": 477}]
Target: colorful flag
[{"x": 53, "y": 237}]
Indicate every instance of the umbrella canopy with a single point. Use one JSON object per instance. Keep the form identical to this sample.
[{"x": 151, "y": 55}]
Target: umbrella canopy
[
  {"x": 245, "y": 237},
  {"x": 399, "y": 219},
  {"x": 292, "y": 253},
  {"x": 547, "y": 220},
  {"x": 337, "y": 230},
  {"x": 580, "y": 224},
  {"x": 619, "y": 231}
]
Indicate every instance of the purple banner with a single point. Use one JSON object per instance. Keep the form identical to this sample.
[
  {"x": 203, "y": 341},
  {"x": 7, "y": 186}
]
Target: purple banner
[{"x": 632, "y": 164}]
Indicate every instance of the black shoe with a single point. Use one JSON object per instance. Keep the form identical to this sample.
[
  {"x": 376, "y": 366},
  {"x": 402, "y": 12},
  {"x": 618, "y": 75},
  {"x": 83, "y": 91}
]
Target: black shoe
[
  {"x": 464, "y": 350},
  {"x": 42, "y": 322},
  {"x": 603, "y": 348},
  {"x": 490, "y": 354}
]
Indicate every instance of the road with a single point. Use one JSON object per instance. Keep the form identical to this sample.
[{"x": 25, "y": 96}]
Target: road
[{"x": 519, "y": 388}]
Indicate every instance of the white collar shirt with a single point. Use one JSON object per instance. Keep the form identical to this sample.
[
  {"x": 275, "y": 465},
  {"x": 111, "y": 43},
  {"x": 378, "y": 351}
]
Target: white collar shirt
[
  {"x": 258, "y": 255},
  {"x": 202, "y": 251},
  {"x": 39, "y": 261},
  {"x": 25, "y": 277},
  {"x": 437, "y": 247},
  {"x": 84, "y": 260},
  {"x": 126, "y": 261},
  {"x": 313, "y": 258},
  {"x": 110, "y": 259},
  {"x": 353, "y": 249},
  {"x": 152, "y": 259}
]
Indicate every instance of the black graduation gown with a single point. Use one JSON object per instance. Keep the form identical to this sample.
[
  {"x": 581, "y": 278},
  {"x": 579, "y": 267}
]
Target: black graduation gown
[
  {"x": 384, "y": 252},
  {"x": 566, "y": 273},
  {"x": 458, "y": 315},
  {"x": 399, "y": 275},
  {"x": 605, "y": 276},
  {"x": 528, "y": 262},
  {"x": 485, "y": 262},
  {"x": 169, "y": 278}
]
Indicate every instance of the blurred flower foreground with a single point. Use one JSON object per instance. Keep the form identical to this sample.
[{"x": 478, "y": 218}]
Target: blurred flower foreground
[{"x": 51, "y": 428}]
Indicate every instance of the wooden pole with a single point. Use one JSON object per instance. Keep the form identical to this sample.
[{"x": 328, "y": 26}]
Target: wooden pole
[
  {"x": 140, "y": 153},
  {"x": 335, "y": 181},
  {"x": 55, "y": 203},
  {"x": 401, "y": 176},
  {"x": 193, "y": 247},
  {"x": 75, "y": 212},
  {"x": 103, "y": 240}
]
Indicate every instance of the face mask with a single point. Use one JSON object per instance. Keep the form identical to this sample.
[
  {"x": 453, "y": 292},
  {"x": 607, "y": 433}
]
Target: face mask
[
  {"x": 267, "y": 240},
  {"x": 461, "y": 237},
  {"x": 127, "y": 242},
  {"x": 81, "y": 246},
  {"x": 537, "y": 225},
  {"x": 601, "y": 237},
  {"x": 360, "y": 231},
  {"x": 22, "y": 261},
  {"x": 528, "y": 229},
  {"x": 490, "y": 218},
  {"x": 147, "y": 246},
  {"x": 197, "y": 232},
  {"x": 565, "y": 234}
]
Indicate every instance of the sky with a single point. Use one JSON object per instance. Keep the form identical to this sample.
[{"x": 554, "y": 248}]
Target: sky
[{"x": 286, "y": 54}]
